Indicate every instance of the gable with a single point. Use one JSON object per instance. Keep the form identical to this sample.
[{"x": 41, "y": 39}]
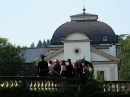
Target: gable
[
  {"x": 97, "y": 57},
  {"x": 105, "y": 55}
]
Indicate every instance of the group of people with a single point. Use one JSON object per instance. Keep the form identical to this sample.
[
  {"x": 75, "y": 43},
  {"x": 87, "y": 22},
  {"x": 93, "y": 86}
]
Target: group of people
[{"x": 64, "y": 68}]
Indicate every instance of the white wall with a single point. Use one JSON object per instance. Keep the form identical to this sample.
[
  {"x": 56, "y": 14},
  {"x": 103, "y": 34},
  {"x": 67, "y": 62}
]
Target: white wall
[
  {"x": 110, "y": 71},
  {"x": 111, "y": 50},
  {"x": 96, "y": 57},
  {"x": 83, "y": 46}
]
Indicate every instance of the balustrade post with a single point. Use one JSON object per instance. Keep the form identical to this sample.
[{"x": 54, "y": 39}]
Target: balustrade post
[{"x": 64, "y": 85}]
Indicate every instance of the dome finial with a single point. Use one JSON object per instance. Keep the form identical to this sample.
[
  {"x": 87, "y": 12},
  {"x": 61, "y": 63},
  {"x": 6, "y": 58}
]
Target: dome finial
[
  {"x": 83, "y": 7},
  {"x": 84, "y": 10}
]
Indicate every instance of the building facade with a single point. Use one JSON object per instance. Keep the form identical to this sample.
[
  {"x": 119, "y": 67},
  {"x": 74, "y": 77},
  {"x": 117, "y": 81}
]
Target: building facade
[{"x": 85, "y": 36}]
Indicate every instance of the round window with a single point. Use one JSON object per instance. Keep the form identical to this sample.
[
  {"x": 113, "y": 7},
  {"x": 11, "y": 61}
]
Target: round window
[{"x": 77, "y": 51}]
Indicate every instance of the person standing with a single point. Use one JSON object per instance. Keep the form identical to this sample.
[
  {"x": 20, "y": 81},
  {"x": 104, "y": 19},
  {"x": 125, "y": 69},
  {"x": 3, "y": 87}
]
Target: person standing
[
  {"x": 42, "y": 66},
  {"x": 69, "y": 68},
  {"x": 91, "y": 69},
  {"x": 50, "y": 66},
  {"x": 75, "y": 70},
  {"x": 57, "y": 68},
  {"x": 80, "y": 70},
  {"x": 63, "y": 68}
]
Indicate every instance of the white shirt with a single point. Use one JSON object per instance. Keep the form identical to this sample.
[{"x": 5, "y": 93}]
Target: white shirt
[
  {"x": 50, "y": 66},
  {"x": 91, "y": 70},
  {"x": 63, "y": 68}
]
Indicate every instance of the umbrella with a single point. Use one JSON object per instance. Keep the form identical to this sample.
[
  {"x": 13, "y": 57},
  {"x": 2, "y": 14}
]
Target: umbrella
[{"x": 83, "y": 60}]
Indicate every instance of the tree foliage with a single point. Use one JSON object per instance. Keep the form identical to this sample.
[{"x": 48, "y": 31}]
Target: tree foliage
[
  {"x": 121, "y": 38},
  {"x": 125, "y": 61},
  {"x": 42, "y": 44},
  {"x": 11, "y": 59},
  {"x": 32, "y": 45},
  {"x": 39, "y": 44},
  {"x": 48, "y": 42},
  {"x": 93, "y": 87}
]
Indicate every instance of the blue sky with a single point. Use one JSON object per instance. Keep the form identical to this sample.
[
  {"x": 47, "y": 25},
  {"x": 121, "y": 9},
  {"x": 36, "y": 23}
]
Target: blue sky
[{"x": 25, "y": 21}]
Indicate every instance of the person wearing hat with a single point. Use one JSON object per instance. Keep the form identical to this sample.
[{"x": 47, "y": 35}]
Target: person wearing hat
[
  {"x": 91, "y": 69},
  {"x": 63, "y": 68},
  {"x": 42, "y": 66},
  {"x": 57, "y": 68},
  {"x": 69, "y": 68}
]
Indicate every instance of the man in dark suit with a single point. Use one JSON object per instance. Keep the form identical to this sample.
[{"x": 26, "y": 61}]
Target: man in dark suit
[
  {"x": 69, "y": 68},
  {"x": 42, "y": 66}
]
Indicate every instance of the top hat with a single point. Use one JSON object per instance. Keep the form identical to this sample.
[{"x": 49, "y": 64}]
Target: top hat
[
  {"x": 42, "y": 55},
  {"x": 63, "y": 61},
  {"x": 68, "y": 60}
]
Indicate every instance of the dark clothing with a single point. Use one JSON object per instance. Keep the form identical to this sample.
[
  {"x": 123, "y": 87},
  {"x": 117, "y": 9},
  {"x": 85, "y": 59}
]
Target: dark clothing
[
  {"x": 69, "y": 70},
  {"x": 80, "y": 72},
  {"x": 43, "y": 68},
  {"x": 57, "y": 69},
  {"x": 75, "y": 72},
  {"x": 63, "y": 73}
]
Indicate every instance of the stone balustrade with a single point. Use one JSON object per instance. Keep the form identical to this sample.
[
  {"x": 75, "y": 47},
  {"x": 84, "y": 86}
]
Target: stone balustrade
[
  {"x": 41, "y": 83},
  {"x": 118, "y": 86},
  {"x": 48, "y": 83}
]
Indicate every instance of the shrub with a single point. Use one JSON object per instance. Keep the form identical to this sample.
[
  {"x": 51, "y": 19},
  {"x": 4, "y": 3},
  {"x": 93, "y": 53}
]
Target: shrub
[{"x": 93, "y": 87}]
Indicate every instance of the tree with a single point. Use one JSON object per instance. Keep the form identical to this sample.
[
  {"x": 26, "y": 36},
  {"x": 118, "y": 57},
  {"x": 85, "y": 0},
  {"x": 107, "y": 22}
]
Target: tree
[
  {"x": 32, "y": 45},
  {"x": 39, "y": 44},
  {"x": 121, "y": 38},
  {"x": 44, "y": 44},
  {"x": 12, "y": 61},
  {"x": 125, "y": 61},
  {"x": 48, "y": 42}
]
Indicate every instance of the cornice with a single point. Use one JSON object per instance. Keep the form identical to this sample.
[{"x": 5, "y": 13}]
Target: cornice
[
  {"x": 105, "y": 62},
  {"x": 70, "y": 41}
]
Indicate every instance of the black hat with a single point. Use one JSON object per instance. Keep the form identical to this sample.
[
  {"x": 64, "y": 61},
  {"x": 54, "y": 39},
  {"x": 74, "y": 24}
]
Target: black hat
[
  {"x": 63, "y": 61},
  {"x": 42, "y": 55},
  {"x": 86, "y": 62},
  {"x": 89, "y": 64},
  {"x": 68, "y": 60}
]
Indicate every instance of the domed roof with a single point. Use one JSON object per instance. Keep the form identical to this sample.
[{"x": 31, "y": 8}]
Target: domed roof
[{"x": 93, "y": 29}]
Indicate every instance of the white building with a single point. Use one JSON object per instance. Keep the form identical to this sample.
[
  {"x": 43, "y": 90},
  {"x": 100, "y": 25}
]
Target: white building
[{"x": 85, "y": 36}]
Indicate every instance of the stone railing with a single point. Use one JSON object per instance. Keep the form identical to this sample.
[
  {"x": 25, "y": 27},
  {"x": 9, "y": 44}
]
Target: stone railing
[
  {"x": 118, "y": 86},
  {"x": 47, "y": 83},
  {"x": 41, "y": 83}
]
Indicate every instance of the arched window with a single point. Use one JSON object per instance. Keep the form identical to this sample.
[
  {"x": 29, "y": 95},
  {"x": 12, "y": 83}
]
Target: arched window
[{"x": 104, "y": 38}]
